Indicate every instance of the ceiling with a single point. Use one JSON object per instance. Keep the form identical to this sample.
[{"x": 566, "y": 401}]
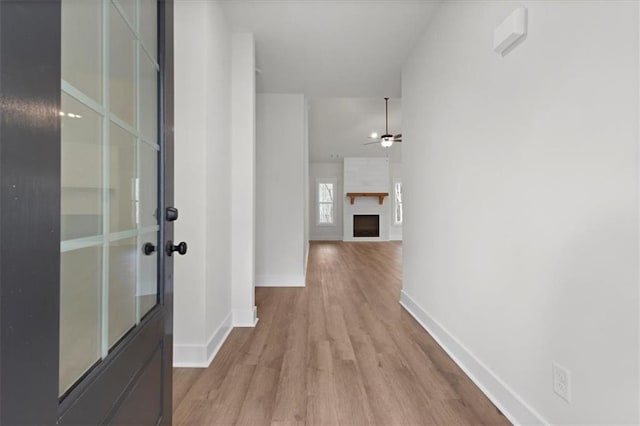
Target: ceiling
[
  {"x": 339, "y": 127},
  {"x": 331, "y": 48}
]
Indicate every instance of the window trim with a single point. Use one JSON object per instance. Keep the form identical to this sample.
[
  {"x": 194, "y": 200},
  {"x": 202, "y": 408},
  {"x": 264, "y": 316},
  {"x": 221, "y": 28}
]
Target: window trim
[{"x": 334, "y": 182}]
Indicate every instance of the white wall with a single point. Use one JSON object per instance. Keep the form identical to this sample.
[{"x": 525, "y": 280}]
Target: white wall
[
  {"x": 334, "y": 170},
  {"x": 202, "y": 294},
  {"x": 281, "y": 155},
  {"x": 305, "y": 212},
  {"x": 243, "y": 138},
  {"x": 521, "y": 218}
]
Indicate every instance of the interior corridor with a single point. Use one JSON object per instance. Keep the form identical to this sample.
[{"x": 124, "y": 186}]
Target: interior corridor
[{"x": 339, "y": 351}]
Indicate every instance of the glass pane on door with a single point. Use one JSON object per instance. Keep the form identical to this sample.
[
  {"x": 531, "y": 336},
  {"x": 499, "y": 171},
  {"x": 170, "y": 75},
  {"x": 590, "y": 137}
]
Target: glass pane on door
[
  {"x": 147, "y": 186},
  {"x": 129, "y": 10},
  {"x": 122, "y": 288},
  {"x": 122, "y": 178},
  {"x": 80, "y": 300},
  {"x": 81, "y": 174},
  {"x": 149, "y": 27},
  {"x": 110, "y": 153},
  {"x": 122, "y": 68},
  {"x": 82, "y": 46}
]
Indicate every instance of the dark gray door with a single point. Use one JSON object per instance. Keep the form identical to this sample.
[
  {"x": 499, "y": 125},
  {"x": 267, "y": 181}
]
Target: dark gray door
[{"x": 86, "y": 218}]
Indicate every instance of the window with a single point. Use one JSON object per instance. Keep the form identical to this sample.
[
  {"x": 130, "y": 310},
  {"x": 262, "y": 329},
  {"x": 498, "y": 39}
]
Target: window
[
  {"x": 325, "y": 189},
  {"x": 397, "y": 203}
]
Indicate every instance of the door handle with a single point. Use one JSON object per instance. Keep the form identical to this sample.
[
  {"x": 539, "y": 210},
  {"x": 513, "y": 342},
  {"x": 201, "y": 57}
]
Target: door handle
[
  {"x": 171, "y": 214},
  {"x": 148, "y": 249},
  {"x": 181, "y": 248}
]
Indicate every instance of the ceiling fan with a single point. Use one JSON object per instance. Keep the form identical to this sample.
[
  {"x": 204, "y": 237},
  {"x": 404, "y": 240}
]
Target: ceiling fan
[{"x": 387, "y": 139}]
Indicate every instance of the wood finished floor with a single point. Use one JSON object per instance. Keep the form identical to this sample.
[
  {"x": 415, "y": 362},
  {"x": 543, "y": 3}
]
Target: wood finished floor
[{"x": 341, "y": 351}]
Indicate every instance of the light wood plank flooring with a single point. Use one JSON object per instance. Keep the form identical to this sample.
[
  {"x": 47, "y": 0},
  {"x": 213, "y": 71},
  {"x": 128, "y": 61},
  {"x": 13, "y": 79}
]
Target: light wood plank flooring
[{"x": 341, "y": 351}]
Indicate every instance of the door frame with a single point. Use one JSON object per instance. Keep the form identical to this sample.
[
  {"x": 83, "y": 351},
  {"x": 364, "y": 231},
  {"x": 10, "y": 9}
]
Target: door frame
[
  {"x": 30, "y": 101},
  {"x": 166, "y": 195}
]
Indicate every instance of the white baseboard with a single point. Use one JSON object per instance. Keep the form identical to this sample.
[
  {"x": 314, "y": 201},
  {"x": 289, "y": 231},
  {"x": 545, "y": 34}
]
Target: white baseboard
[
  {"x": 507, "y": 401},
  {"x": 245, "y": 317},
  {"x": 280, "y": 281},
  {"x": 200, "y": 356},
  {"x": 325, "y": 238}
]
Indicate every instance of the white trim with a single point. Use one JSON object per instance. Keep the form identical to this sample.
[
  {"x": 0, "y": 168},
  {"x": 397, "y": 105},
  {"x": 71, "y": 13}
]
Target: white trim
[
  {"x": 325, "y": 238},
  {"x": 508, "y": 402},
  {"x": 280, "y": 281},
  {"x": 638, "y": 197},
  {"x": 201, "y": 356},
  {"x": 245, "y": 317}
]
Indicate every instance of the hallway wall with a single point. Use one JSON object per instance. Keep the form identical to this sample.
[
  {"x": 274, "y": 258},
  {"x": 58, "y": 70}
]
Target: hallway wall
[
  {"x": 521, "y": 203},
  {"x": 202, "y": 305},
  {"x": 281, "y": 158}
]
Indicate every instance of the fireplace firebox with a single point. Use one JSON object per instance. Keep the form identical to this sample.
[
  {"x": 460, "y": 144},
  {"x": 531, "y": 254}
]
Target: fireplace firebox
[{"x": 366, "y": 225}]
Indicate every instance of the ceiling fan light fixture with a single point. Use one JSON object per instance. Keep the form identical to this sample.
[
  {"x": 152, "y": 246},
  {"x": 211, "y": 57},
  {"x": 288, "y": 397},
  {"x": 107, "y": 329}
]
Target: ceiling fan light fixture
[{"x": 387, "y": 139}]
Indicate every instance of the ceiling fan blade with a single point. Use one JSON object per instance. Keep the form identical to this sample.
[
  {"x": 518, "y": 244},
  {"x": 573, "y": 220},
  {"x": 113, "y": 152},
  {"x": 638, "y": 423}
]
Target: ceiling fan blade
[
  {"x": 371, "y": 143},
  {"x": 398, "y": 136}
]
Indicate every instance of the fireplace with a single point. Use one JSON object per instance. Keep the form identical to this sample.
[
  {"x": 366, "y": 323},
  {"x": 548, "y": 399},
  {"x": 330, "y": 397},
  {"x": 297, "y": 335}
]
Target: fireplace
[{"x": 366, "y": 225}]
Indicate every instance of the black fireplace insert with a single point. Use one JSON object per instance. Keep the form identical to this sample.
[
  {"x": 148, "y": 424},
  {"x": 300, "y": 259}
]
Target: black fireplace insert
[{"x": 366, "y": 225}]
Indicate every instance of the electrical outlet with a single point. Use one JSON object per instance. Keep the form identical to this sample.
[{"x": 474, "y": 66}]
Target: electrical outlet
[{"x": 561, "y": 378}]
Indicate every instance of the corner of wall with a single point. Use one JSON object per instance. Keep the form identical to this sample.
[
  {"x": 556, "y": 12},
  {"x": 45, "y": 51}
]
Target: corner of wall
[
  {"x": 245, "y": 317},
  {"x": 200, "y": 356}
]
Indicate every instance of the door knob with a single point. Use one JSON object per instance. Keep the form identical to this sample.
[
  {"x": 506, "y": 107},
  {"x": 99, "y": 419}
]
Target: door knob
[
  {"x": 181, "y": 248},
  {"x": 148, "y": 249},
  {"x": 171, "y": 214}
]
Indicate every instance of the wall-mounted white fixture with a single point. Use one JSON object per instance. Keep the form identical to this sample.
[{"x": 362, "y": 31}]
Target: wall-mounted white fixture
[{"x": 511, "y": 30}]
